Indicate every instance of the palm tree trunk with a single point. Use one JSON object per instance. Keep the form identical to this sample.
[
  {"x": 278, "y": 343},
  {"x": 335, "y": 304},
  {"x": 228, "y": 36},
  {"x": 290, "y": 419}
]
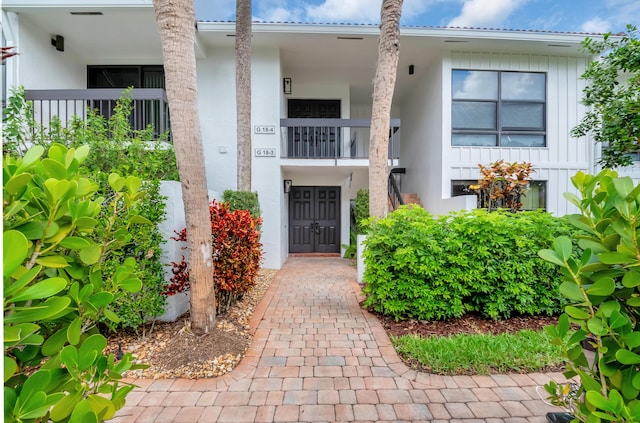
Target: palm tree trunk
[
  {"x": 176, "y": 21},
  {"x": 243, "y": 92},
  {"x": 383, "y": 87}
]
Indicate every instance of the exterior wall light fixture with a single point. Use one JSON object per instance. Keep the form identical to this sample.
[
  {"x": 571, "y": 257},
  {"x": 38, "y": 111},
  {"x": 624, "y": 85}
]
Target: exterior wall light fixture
[
  {"x": 286, "y": 85},
  {"x": 287, "y": 186}
]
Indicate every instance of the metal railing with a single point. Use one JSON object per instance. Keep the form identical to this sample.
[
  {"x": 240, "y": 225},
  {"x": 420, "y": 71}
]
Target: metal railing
[
  {"x": 317, "y": 138},
  {"x": 150, "y": 106},
  {"x": 394, "y": 188}
]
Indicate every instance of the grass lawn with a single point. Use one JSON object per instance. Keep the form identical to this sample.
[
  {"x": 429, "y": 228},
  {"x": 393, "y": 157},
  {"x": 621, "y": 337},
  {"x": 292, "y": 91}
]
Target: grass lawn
[{"x": 525, "y": 351}]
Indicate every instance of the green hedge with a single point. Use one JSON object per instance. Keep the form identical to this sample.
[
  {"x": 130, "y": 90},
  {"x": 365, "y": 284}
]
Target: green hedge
[
  {"x": 472, "y": 261},
  {"x": 243, "y": 200}
]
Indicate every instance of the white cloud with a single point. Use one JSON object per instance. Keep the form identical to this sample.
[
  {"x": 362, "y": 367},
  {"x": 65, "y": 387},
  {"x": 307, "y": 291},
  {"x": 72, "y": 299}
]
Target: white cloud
[
  {"x": 596, "y": 25},
  {"x": 361, "y": 11},
  {"x": 485, "y": 12},
  {"x": 280, "y": 14}
]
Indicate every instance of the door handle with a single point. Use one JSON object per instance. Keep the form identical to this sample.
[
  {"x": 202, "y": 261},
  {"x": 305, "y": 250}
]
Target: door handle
[{"x": 317, "y": 228}]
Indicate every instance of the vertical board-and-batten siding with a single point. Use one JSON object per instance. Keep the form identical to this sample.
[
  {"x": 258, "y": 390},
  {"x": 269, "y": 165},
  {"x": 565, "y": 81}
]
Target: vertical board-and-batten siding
[{"x": 562, "y": 157}]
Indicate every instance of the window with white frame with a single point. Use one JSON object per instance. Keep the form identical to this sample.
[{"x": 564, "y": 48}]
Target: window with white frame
[
  {"x": 534, "y": 198},
  {"x": 498, "y": 108}
]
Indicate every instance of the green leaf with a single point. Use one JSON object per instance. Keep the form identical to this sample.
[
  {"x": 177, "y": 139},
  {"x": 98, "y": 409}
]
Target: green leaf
[
  {"x": 617, "y": 320},
  {"x": 34, "y": 383},
  {"x": 632, "y": 339},
  {"x": 74, "y": 330},
  {"x": 91, "y": 254},
  {"x": 69, "y": 357},
  {"x": 571, "y": 291},
  {"x": 602, "y": 287},
  {"x": 74, "y": 243},
  {"x": 596, "y": 327},
  {"x": 30, "y": 157},
  {"x": 63, "y": 409},
  {"x": 17, "y": 183},
  {"x": 10, "y": 368},
  {"x": 82, "y": 152},
  {"x": 55, "y": 342},
  {"x": 41, "y": 290},
  {"x": 90, "y": 349},
  {"x": 51, "y": 307},
  {"x": 636, "y": 381},
  {"x": 551, "y": 256},
  {"x": 131, "y": 285},
  {"x": 16, "y": 248},
  {"x": 83, "y": 413},
  {"x": 103, "y": 407},
  {"x": 577, "y": 313},
  {"x": 616, "y": 258},
  {"x": 111, "y": 315},
  {"x": 32, "y": 230},
  {"x": 627, "y": 357},
  {"x": 101, "y": 299},
  {"x": 595, "y": 246},
  {"x": 52, "y": 261},
  {"x": 563, "y": 325},
  {"x": 54, "y": 169},
  {"x": 138, "y": 219},
  {"x": 563, "y": 247},
  {"x": 631, "y": 279},
  {"x": 116, "y": 182},
  {"x": 85, "y": 223},
  {"x": 133, "y": 184}
]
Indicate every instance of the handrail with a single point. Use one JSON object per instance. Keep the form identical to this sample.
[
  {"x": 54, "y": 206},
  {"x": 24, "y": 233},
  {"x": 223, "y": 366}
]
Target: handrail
[
  {"x": 96, "y": 94},
  {"x": 150, "y": 105},
  {"x": 331, "y": 138},
  {"x": 395, "y": 196}
]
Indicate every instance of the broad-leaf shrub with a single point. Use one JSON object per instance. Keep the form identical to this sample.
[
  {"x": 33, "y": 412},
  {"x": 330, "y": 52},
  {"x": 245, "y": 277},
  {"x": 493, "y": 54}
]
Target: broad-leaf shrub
[
  {"x": 502, "y": 185},
  {"x": 237, "y": 252},
  {"x": 602, "y": 287},
  {"x": 55, "y": 291},
  {"x": 242, "y": 200},
  {"x": 114, "y": 147},
  {"x": 421, "y": 267}
]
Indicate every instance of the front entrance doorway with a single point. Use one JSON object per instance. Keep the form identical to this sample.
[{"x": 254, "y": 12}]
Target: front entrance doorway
[{"x": 314, "y": 220}]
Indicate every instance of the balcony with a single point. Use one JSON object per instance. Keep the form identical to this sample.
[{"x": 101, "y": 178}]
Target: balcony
[
  {"x": 311, "y": 138},
  {"x": 150, "y": 106}
]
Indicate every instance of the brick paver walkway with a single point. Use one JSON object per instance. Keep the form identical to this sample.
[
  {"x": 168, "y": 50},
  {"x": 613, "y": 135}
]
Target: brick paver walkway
[{"x": 317, "y": 357}]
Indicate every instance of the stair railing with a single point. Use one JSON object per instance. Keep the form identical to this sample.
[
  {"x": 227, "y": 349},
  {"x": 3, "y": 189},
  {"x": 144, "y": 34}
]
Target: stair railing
[{"x": 393, "y": 188}]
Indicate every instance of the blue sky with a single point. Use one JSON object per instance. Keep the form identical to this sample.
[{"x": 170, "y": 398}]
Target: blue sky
[{"x": 558, "y": 15}]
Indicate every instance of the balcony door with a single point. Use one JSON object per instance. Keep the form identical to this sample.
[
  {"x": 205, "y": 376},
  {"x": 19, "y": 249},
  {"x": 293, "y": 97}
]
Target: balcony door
[
  {"x": 314, "y": 141},
  {"x": 145, "y": 112},
  {"x": 314, "y": 220}
]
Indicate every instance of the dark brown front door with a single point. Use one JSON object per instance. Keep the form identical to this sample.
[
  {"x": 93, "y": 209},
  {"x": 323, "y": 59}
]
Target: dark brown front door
[
  {"x": 314, "y": 141},
  {"x": 314, "y": 220}
]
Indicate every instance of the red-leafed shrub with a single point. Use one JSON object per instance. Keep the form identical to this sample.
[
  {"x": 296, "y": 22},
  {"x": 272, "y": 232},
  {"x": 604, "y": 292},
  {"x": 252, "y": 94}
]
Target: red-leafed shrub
[{"x": 237, "y": 252}]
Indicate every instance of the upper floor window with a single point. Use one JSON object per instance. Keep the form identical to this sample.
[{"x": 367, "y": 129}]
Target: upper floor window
[{"x": 498, "y": 108}]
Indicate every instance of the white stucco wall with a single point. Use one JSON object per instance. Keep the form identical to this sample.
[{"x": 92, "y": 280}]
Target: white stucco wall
[
  {"x": 555, "y": 163},
  {"x": 266, "y": 175},
  {"x": 63, "y": 69},
  {"x": 217, "y": 105},
  {"x": 421, "y": 148}
]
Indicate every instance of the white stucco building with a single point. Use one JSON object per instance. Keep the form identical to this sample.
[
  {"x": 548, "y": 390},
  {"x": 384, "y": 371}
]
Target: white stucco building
[{"x": 463, "y": 97}]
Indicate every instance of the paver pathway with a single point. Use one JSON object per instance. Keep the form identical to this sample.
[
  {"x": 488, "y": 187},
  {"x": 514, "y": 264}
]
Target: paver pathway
[{"x": 317, "y": 357}]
